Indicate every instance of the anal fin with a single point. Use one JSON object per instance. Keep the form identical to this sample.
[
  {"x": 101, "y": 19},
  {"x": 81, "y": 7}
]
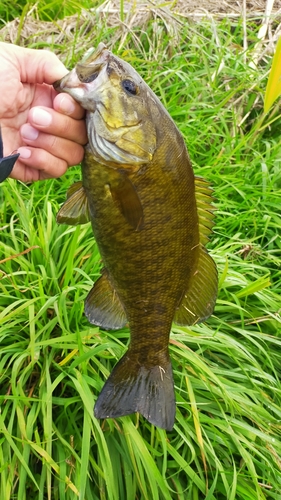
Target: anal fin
[
  {"x": 200, "y": 296},
  {"x": 103, "y": 306}
]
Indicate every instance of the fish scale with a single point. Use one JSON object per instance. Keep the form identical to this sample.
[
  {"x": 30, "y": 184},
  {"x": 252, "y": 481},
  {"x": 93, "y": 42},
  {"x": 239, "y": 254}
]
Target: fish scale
[{"x": 151, "y": 219}]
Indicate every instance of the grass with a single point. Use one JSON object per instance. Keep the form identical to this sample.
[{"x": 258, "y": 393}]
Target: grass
[
  {"x": 226, "y": 440},
  {"x": 46, "y": 10}
]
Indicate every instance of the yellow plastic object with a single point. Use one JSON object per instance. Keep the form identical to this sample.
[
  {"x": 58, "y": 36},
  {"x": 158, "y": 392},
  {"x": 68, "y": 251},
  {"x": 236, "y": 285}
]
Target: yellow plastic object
[{"x": 273, "y": 89}]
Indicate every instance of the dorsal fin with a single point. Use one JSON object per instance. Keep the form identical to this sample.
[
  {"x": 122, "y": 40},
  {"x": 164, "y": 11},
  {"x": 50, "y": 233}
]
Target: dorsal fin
[
  {"x": 200, "y": 296},
  {"x": 203, "y": 194},
  {"x": 201, "y": 292}
]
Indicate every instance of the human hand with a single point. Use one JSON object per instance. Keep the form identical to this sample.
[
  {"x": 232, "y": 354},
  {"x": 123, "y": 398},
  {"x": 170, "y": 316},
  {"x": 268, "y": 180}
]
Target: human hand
[{"x": 46, "y": 128}]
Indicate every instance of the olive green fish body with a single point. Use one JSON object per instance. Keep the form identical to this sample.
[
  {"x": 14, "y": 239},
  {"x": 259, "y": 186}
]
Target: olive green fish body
[{"x": 141, "y": 198}]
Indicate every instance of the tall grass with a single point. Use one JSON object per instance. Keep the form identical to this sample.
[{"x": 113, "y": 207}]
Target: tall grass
[
  {"x": 46, "y": 10},
  {"x": 226, "y": 440}
]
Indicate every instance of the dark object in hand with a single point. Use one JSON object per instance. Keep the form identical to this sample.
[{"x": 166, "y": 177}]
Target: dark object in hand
[{"x": 6, "y": 163}]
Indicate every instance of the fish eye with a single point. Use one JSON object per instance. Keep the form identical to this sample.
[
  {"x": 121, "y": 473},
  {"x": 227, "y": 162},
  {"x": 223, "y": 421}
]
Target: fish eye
[
  {"x": 130, "y": 87},
  {"x": 88, "y": 78}
]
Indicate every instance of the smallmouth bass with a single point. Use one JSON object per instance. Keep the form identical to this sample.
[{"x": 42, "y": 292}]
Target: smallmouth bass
[{"x": 151, "y": 219}]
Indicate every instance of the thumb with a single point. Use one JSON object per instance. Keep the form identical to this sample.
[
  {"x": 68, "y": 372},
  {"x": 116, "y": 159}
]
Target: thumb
[{"x": 38, "y": 66}]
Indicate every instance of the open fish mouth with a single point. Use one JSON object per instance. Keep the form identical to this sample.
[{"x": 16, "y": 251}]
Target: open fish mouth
[
  {"x": 78, "y": 87},
  {"x": 84, "y": 77}
]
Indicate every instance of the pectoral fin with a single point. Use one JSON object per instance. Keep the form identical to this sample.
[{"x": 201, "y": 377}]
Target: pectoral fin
[
  {"x": 75, "y": 210},
  {"x": 199, "y": 299},
  {"x": 103, "y": 306},
  {"x": 127, "y": 199}
]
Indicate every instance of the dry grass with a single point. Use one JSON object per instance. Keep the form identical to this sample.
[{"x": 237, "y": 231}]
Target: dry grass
[{"x": 31, "y": 30}]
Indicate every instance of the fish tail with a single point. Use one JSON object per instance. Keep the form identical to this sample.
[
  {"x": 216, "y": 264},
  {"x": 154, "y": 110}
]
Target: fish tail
[{"x": 133, "y": 388}]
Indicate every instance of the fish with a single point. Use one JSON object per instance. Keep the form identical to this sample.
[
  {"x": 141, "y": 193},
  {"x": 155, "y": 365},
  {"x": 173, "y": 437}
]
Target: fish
[{"x": 151, "y": 218}]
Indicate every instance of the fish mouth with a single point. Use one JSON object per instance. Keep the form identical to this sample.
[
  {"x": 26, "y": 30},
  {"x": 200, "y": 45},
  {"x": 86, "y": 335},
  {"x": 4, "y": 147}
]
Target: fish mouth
[
  {"x": 79, "y": 90},
  {"x": 68, "y": 82},
  {"x": 57, "y": 85},
  {"x": 81, "y": 78}
]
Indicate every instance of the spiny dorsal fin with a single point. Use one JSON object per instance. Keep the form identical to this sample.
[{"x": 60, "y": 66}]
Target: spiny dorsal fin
[
  {"x": 203, "y": 193},
  {"x": 201, "y": 293},
  {"x": 103, "y": 306},
  {"x": 75, "y": 209}
]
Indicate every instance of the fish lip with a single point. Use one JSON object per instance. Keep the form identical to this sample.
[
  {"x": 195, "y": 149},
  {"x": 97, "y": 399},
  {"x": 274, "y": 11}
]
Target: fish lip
[
  {"x": 68, "y": 81},
  {"x": 71, "y": 83},
  {"x": 96, "y": 62},
  {"x": 57, "y": 85}
]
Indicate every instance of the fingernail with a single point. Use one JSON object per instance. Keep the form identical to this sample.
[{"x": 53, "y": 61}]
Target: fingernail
[
  {"x": 66, "y": 105},
  {"x": 41, "y": 117},
  {"x": 28, "y": 132},
  {"x": 24, "y": 153}
]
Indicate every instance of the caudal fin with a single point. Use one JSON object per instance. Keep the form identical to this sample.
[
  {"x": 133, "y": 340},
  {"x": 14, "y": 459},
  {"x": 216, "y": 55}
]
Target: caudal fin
[{"x": 132, "y": 388}]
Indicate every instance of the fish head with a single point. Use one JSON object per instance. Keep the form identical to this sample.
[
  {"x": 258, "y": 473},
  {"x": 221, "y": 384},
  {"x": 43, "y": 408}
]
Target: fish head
[{"x": 120, "y": 120}]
